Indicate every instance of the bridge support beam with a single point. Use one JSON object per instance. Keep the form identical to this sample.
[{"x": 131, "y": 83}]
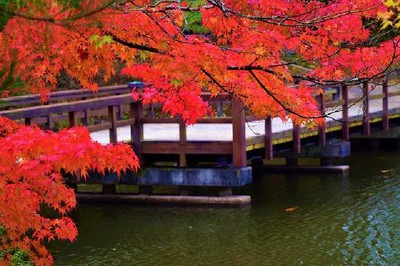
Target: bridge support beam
[
  {"x": 136, "y": 112},
  {"x": 385, "y": 106},
  {"x": 182, "y": 142},
  {"x": 72, "y": 119},
  {"x": 365, "y": 106},
  {"x": 112, "y": 116},
  {"x": 239, "y": 134},
  {"x": 269, "y": 154},
  {"x": 322, "y": 128},
  {"x": 345, "y": 114}
]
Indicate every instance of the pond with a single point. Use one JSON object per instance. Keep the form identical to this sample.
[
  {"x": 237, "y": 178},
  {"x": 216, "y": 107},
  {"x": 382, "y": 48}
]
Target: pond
[{"x": 293, "y": 220}]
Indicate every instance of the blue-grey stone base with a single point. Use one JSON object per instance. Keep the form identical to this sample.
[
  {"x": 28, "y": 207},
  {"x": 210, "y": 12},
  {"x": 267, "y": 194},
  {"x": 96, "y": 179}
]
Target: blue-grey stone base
[
  {"x": 334, "y": 148},
  {"x": 228, "y": 201},
  {"x": 206, "y": 177}
]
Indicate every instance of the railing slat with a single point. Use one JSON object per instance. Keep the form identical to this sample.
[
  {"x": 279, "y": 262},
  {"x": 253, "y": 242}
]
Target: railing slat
[
  {"x": 345, "y": 114},
  {"x": 365, "y": 106},
  {"x": 322, "y": 128},
  {"x": 182, "y": 144},
  {"x": 136, "y": 113},
  {"x": 239, "y": 134},
  {"x": 385, "y": 106},
  {"x": 112, "y": 117},
  {"x": 269, "y": 154}
]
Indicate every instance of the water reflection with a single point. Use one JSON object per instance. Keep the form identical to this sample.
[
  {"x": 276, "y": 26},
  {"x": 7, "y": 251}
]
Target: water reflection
[
  {"x": 335, "y": 220},
  {"x": 372, "y": 230}
]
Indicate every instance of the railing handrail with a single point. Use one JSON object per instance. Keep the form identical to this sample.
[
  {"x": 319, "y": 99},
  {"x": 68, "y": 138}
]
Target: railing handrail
[
  {"x": 62, "y": 96},
  {"x": 58, "y": 108},
  {"x": 68, "y": 95}
]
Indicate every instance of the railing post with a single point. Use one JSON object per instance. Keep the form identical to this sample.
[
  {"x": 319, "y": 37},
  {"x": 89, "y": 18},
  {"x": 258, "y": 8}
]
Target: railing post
[
  {"x": 345, "y": 114},
  {"x": 182, "y": 144},
  {"x": 120, "y": 112},
  {"x": 49, "y": 121},
  {"x": 72, "y": 119},
  {"x": 296, "y": 148},
  {"x": 220, "y": 108},
  {"x": 150, "y": 111},
  {"x": 385, "y": 106},
  {"x": 239, "y": 134},
  {"x": 365, "y": 106},
  {"x": 86, "y": 119},
  {"x": 112, "y": 117},
  {"x": 269, "y": 152},
  {"x": 322, "y": 127},
  {"x": 136, "y": 112},
  {"x": 28, "y": 121}
]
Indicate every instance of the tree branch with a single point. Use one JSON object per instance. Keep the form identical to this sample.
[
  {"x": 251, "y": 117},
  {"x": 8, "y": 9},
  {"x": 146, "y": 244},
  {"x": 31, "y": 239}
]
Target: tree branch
[{"x": 134, "y": 45}]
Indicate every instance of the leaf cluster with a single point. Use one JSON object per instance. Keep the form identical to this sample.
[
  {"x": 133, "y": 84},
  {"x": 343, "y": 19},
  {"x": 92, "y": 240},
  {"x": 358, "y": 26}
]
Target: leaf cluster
[{"x": 31, "y": 177}]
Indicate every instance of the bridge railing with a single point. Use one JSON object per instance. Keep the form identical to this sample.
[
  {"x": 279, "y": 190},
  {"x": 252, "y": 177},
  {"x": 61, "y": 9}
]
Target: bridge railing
[
  {"x": 70, "y": 112},
  {"x": 113, "y": 107}
]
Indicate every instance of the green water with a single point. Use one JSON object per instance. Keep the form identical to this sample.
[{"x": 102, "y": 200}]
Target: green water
[{"x": 353, "y": 220}]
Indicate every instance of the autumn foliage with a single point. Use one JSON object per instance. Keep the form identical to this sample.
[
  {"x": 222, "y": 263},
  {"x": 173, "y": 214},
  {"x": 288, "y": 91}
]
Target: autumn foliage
[
  {"x": 248, "y": 48},
  {"x": 32, "y": 164}
]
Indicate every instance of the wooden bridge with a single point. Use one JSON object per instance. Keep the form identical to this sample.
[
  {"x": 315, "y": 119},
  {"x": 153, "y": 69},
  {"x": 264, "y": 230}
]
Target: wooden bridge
[{"x": 227, "y": 141}]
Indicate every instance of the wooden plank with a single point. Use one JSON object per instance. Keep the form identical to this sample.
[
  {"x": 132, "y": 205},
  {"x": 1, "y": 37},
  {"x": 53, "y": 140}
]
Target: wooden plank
[
  {"x": 136, "y": 113},
  {"x": 322, "y": 128},
  {"x": 190, "y": 147},
  {"x": 215, "y": 120},
  {"x": 269, "y": 154},
  {"x": 208, "y": 147},
  {"x": 220, "y": 108},
  {"x": 64, "y": 96},
  {"x": 72, "y": 119},
  {"x": 149, "y": 120},
  {"x": 239, "y": 134},
  {"x": 182, "y": 142},
  {"x": 385, "y": 106},
  {"x": 207, "y": 120},
  {"x": 83, "y": 93},
  {"x": 126, "y": 122},
  {"x": 365, "y": 106},
  {"x": 50, "y": 121},
  {"x": 206, "y": 96},
  {"x": 59, "y": 108},
  {"x": 252, "y": 118},
  {"x": 159, "y": 147},
  {"x": 345, "y": 114},
  {"x": 112, "y": 118},
  {"x": 296, "y": 147},
  {"x": 99, "y": 127},
  {"x": 86, "y": 117}
]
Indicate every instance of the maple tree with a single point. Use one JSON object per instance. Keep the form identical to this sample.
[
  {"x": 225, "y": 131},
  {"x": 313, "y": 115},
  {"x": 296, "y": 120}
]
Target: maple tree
[
  {"x": 31, "y": 178},
  {"x": 247, "y": 48}
]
